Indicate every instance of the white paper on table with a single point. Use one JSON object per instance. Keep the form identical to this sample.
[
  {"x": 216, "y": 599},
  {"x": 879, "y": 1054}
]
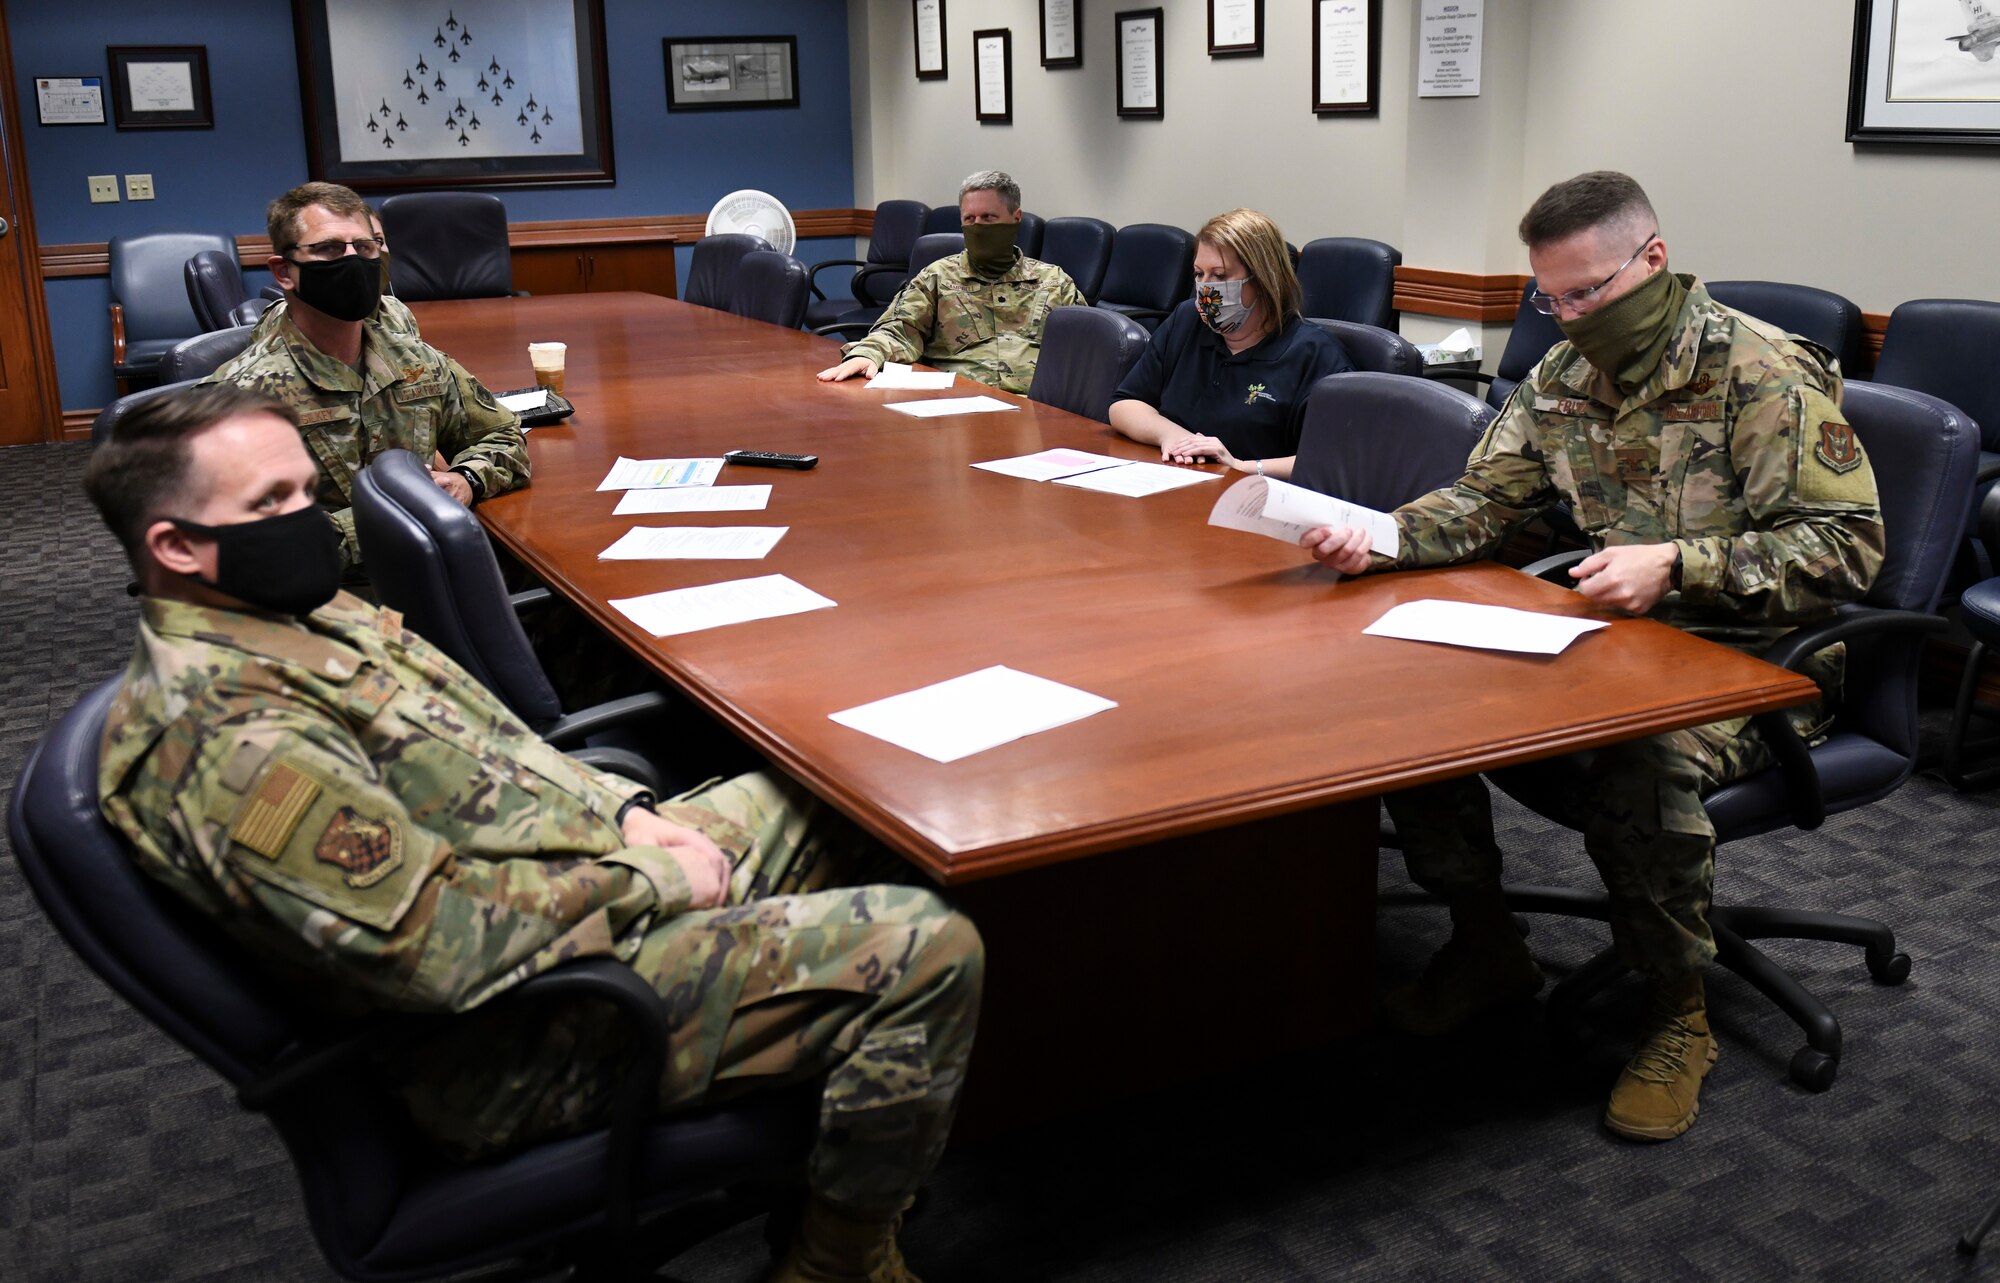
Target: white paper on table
[
  {"x": 522, "y": 402},
  {"x": 1462, "y": 623},
  {"x": 653, "y": 474},
  {"x": 735, "y": 601},
  {"x": 969, "y": 714},
  {"x": 661, "y": 543},
  {"x": 1048, "y": 465},
  {"x": 639, "y": 503},
  {"x": 895, "y": 375},
  {"x": 1139, "y": 479},
  {"x": 950, "y": 405},
  {"x": 1280, "y": 510}
]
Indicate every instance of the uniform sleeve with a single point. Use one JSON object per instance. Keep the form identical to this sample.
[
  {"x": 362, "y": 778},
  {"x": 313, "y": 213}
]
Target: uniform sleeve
[
  {"x": 1816, "y": 537},
  {"x": 1065, "y": 293},
  {"x": 482, "y": 435},
  {"x": 1506, "y": 483},
  {"x": 325, "y": 864},
  {"x": 905, "y": 327}
]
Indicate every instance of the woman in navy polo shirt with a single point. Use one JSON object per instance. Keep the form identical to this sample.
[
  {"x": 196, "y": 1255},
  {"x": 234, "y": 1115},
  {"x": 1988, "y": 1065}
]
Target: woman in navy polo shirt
[{"x": 1227, "y": 373}]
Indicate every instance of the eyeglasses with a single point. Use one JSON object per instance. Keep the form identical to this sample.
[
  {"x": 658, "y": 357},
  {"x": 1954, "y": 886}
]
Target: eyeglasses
[
  {"x": 1546, "y": 304},
  {"x": 323, "y": 251}
]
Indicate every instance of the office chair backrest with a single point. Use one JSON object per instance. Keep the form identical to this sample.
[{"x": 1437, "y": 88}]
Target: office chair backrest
[
  {"x": 447, "y": 245},
  {"x": 1086, "y": 352},
  {"x": 1350, "y": 278},
  {"x": 712, "y": 273},
  {"x": 942, "y": 218},
  {"x": 1151, "y": 267},
  {"x": 772, "y": 287},
  {"x": 897, "y": 225},
  {"x": 214, "y": 288},
  {"x": 429, "y": 559},
  {"x": 1381, "y": 440},
  {"x": 149, "y": 281},
  {"x": 1527, "y": 343},
  {"x": 204, "y": 354},
  {"x": 1828, "y": 319},
  {"x": 1029, "y": 237},
  {"x": 1081, "y": 247},
  {"x": 1946, "y": 346},
  {"x": 1370, "y": 347},
  {"x": 108, "y": 418},
  {"x": 932, "y": 246}
]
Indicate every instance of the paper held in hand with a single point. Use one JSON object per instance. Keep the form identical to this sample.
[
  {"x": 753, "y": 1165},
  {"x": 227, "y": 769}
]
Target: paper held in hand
[{"x": 1280, "y": 510}]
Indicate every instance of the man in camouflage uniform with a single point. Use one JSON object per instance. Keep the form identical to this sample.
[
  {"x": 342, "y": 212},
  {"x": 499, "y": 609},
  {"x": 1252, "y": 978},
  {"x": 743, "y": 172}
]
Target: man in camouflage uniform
[
  {"x": 354, "y": 371},
  {"x": 378, "y": 830},
  {"x": 978, "y": 313},
  {"x": 1705, "y": 456}
]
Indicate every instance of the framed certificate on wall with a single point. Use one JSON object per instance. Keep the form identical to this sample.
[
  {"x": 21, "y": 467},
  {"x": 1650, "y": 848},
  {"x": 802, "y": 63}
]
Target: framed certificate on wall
[
  {"x": 928, "y": 16},
  {"x": 1347, "y": 57},
  {"x": 1062, "y": 33},
  {"x": 1235, "y": 27},
  {"x": 1139, "y": 92},
  {"x": 993, "y": 75}
]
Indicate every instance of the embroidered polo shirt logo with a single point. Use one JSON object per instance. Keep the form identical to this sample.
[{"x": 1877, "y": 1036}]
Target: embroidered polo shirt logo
[
  {"x": 1838, "y": 449},
  {"x": 1257, "y": 393},
  {"x": 365, "y": 850}
]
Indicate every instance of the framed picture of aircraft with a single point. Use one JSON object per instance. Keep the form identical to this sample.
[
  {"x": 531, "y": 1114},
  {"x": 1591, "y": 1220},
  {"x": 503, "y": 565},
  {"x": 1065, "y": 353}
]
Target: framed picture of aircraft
[
  {"x": 475, "y": 93},
  {"x": 705, "y": 73},
  {"x": 1925, "y": 73}
]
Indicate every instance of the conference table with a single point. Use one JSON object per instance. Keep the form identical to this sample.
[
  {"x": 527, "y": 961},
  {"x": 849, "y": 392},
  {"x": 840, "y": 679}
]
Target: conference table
[{"x": 1180, "y": 882}]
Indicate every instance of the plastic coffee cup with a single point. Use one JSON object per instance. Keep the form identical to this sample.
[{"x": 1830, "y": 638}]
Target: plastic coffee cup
[{"x": 547, "y": 358}]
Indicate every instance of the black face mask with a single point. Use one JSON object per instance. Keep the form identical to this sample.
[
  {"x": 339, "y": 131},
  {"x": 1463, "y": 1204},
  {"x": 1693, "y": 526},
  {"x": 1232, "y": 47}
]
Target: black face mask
[
  {"x": 346, "y": 288},
  {"x": 289, "y": 565}
]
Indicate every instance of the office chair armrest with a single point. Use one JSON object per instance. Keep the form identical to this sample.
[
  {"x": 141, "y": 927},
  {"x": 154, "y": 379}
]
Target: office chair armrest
[
  {"x": 1989, "y": 522},
  {"x": 812, "y": 273},
  {"x": 1142, "y": 313},
  {"x": 1795, "y": 766},
  {"x": 1551, "y": 567},
  {"x": 527, "y": 597},
  {"x": 1796, "y": 646},
  {"x": 1474, "y": 376},
  {"x": 574, "y": 728},
  {"x": 275, "y": 293},
  {"x": 842, "y": 327},
  {"x": 625, "y": 762},
  {"x": 1986, "y": 473}
]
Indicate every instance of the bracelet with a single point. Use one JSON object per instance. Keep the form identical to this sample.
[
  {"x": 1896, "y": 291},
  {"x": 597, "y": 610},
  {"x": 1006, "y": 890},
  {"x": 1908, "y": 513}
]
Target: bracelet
[
  {"x": 1260, "y": 467},
  {"x": 642, "y": 801}
]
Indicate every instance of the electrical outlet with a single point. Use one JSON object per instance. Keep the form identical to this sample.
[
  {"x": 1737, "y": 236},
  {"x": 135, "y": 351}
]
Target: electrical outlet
[
  {"x": 103, "y": 187},
  {"x": 138, "y": 187}
]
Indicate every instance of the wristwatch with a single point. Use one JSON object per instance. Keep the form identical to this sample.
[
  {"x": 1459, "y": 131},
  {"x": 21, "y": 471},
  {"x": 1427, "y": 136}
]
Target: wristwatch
[
  {"x": 1260, "y": 467},
  {"x": 1674, "y": 573},
  {"x": 471, "y": 479},
  {"x": 642, "y": 800}
]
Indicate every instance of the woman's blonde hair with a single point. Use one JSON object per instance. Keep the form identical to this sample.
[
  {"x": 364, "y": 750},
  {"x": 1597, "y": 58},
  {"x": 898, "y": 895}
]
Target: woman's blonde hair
[{"x": 1257, "y": 241}]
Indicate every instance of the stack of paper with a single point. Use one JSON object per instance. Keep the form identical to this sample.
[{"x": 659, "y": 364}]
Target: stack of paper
[
  {"x": 687, "y": 610},
  {"x": 896, "y": 375},
  {"x": 648, "y": 474},
  {"x": 1048, "y": 465},
  {"x": 966, "y": 715},
  {"x": 1462, "y": 623},
  {"x": 950, "y": 405},
  {"x": 1280, "y": 510},
  {"x": 693, "y": 499},
  {"x": 1138, "y": 479},
  {"x": 659, "y": 543},
  {"x": 524, "y": 402}
]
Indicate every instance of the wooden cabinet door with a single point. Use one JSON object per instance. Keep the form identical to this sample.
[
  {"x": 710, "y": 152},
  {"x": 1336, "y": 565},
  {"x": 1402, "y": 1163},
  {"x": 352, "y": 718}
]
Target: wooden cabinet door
[
  {"x": 549, "y": 271},
  {"x": 647, "y": 268}
]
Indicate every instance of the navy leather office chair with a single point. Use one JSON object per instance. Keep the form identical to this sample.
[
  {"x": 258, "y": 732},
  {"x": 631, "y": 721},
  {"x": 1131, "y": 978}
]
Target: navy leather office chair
[
  {"x": 712, "y": 272},
  {"x": 1080, "y": 247},
  {"x": 1979, "y": 615},
  {"x": 1381, "y": 440},
  {"x": 1828, "y": 319},
  {"x": 930, "y": 247},
  {"x": 382, "y": 1204},
  {"x": 447, "y": 245},
  {"x": 1086, "y": 353},
  {"x": 1151, "y": 270},
  {"x": 1350, "y": 278},
  {"x": 1029, "y": 238},
  {"x": 214, "y": 288},
  {"x": 108, "y": 418},
  {"x": 1945, "y": 346},
  {"x": 1370, "y": 347},
  {"x": 1923, "y": 452},
  {"x": 1527, "y": 343},
  {"x": 429, "y": 558},
  {"x": 942, "y": 218},
  {"x": 897, "y": 225},
  {"x": 771, "y": 287},
  {"x": 150, "y": 311},
  {"x": 204, "y": 354}
]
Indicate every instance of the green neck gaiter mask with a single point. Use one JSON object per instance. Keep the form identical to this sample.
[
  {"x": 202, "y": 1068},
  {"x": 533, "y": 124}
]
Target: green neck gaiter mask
[
  {"x": 1626, "y": 337},
  {"x": 989, "y": 247}
]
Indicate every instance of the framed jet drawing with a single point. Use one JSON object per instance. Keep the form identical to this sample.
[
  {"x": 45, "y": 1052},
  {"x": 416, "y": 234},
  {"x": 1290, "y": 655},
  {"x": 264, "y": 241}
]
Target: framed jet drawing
[
  {"x": 476, "y": 93},
  {"x": 1925, "y": 73}
]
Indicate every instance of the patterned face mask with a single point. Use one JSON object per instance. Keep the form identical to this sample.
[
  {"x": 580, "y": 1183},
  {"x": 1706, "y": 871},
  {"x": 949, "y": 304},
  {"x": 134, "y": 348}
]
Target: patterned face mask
[{"x": 1220, "y": 305}]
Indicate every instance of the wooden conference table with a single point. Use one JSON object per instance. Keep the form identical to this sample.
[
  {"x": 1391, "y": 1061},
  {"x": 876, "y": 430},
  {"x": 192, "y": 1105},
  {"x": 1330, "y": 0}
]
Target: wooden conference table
[{"x": 1227, "y": 804}]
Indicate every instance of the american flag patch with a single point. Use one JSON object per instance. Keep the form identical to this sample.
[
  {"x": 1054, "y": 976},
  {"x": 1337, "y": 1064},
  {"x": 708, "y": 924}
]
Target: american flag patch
[{"x": 269, "y": 815}]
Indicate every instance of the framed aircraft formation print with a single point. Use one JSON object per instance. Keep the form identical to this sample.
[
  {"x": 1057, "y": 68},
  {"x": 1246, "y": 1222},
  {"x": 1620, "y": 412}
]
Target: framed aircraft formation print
[
  {"x": 708, "y": 72},
  {"x": 1925, "y": 73},
  {"x": 488, "y": 93}
]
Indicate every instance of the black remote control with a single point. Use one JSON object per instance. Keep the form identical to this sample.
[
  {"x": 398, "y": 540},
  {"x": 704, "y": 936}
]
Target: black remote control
[{"x": 770, "y": 459}]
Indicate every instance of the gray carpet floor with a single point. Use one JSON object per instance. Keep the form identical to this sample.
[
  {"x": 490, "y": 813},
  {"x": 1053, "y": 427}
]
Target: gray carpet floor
[{"x": 1479, "y": 1157}]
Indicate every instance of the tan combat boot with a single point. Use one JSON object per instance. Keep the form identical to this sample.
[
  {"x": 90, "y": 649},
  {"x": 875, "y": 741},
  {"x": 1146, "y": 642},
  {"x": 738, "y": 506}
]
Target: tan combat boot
[
  {"x": 1483, "y": 967},
  {"x": 1659, "y": 1094},
  {"x": 836, "y": 1245}
]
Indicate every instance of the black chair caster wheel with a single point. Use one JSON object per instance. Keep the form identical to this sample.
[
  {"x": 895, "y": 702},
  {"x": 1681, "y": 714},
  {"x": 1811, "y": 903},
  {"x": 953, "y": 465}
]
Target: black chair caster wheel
[
  {"x": 1814, "y": 1070},
  {"x": 1892, "y": 970}
]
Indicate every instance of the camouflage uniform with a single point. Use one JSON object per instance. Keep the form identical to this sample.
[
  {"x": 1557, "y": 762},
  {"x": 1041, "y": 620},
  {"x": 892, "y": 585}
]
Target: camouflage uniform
[
  {"x": 379, "y": 831},
  {"x": 951, "y": 317},
  {"x": 406, "y": 395},
  {"x": 1736, "y": 450}
]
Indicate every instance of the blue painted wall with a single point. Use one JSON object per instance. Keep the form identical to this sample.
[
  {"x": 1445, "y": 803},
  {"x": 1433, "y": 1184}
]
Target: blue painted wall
[{"x": 221, "y": 178}]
